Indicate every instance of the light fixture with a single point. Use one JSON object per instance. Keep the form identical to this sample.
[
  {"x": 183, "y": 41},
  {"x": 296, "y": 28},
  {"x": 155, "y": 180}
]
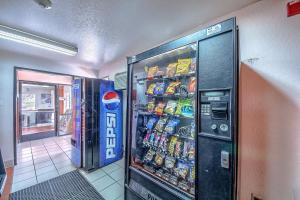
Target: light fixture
[
  {"x": 46, "y": 4},
  {"x": 36, "y": 41}
]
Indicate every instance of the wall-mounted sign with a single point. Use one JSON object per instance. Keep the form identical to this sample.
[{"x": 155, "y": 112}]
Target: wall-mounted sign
[{"x": 293, "y": 8}]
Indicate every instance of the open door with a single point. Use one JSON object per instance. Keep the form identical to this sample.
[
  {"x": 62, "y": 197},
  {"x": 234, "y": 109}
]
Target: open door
[{"x": 37, "y": 111}]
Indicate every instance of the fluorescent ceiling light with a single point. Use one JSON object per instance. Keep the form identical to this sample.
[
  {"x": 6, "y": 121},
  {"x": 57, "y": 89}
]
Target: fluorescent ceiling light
[{"x": 36, "y": 41}]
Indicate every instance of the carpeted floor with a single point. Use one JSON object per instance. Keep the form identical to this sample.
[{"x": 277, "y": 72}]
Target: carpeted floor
[{"x": 70, "y": 186}]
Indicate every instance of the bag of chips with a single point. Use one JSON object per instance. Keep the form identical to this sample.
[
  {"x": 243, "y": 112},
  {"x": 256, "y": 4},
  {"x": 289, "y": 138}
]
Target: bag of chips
[
  {"x": 152, "y": 138},
  {"x": 172, "y": 144},
  {"x": 181, "y": 170},
  {"x": 171, "y": 89},
  {"x": 150, "y": 90},
  {"x": 192, "y": 173},
  {"x": 149, "y": 156},
  {"x": 146, "y": 139},
  {"x": 152, "y": 72},
  {"x": 178, "y": 148},
  {"x": 157, "y": 138},
  {"x": 159, "y": 109},
  {"x": 171, "y": 107},
  {"x": 170, "y": 162},
  {"x": 163, "y": 143},
  {"x": 186, "y": 146},
  {"x": 193, "y": 65},
  {"x": 183, "y": 91},
  {"x": 179, "y": 107},
  {"x": 183, "y": 66},
  {"x": 160, "y": 124},
  {"x": 159, "y": 159},
  {"x": 151, "y": 123},
  {"x": 171, "y": 126},
  {"x": 159, "y": 89},
  {"x": 151, "y": 106},
  {"x": 193, "y": 130},
  {"x": 191, "y": 152},
  {"x": 185, "y": 131},
  {"x": 192, "y": 85},
  {"x": 171, "y": 70},
  {"x": 187, "y": 109}
]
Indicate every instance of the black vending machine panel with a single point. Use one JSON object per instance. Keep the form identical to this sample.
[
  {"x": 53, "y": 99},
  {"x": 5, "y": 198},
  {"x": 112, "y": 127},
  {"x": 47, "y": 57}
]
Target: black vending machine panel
[
  {"x": 181, "y": 113},
  {"x": 217, "y": 106}
]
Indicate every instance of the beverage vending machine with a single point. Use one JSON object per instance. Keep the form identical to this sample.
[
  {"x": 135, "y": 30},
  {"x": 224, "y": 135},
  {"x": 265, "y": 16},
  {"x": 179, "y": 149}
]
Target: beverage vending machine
[
  {"x": 97, "y": 123},
  {"x": 182, "y": 118}
]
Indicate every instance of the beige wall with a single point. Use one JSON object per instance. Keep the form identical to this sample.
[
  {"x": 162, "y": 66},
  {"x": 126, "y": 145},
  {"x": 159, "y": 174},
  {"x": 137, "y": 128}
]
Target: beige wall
[
  {"x": 269, "y": 130},
  {"x": 269, "y": 155}
]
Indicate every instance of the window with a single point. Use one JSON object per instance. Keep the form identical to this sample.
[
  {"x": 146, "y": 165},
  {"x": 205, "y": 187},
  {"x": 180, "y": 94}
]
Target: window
[{"x": 28, "y": 101}]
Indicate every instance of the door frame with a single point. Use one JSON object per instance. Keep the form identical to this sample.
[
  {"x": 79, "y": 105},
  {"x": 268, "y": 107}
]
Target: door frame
[{"x": 16, "y": 86}]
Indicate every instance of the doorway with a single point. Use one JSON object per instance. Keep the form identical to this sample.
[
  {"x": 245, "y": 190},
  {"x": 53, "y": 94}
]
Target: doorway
[
  {"x": 43, "y": 105},
  {"x": 43, "y": 126}
]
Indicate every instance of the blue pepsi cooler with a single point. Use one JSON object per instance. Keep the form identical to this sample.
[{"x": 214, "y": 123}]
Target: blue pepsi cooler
[{"x": 97, "y": 129}]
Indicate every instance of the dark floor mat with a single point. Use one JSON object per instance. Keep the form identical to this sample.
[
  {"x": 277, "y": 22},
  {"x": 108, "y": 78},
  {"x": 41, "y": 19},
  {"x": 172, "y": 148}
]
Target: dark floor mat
[{"x": 70, "y": 186}]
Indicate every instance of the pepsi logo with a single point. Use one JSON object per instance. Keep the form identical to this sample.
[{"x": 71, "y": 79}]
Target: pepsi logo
[{"x": 111, "y": 100}]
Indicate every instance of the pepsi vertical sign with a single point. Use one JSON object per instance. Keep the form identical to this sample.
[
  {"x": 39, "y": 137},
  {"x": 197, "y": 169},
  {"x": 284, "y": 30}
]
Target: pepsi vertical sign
[
  {"x": 111, "y": 124},
  {"x": 76, "y": 115}
]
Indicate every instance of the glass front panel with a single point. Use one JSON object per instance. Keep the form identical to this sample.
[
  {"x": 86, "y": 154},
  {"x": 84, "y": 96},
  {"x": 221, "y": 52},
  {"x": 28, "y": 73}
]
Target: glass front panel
[
  {"x": 163, "y": 117},
  {"x": 65, "y": 109},
  {"x": 38, "y": 108}
]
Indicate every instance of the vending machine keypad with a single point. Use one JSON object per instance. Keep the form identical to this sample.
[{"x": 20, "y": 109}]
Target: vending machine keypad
[
  {"x": 215, "y": 114},
  {"x": 205, "y": 109}
]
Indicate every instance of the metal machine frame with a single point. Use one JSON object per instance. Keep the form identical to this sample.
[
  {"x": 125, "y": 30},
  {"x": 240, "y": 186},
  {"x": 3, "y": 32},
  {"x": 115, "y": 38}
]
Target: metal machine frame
[{"x": 210, "y": 32}]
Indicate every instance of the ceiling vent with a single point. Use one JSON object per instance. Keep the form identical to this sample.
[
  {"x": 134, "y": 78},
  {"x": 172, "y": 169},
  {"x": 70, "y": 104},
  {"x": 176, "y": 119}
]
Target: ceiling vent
[
  {"x": 121, "y": 81},
  {"x": 46, "y": 4}
]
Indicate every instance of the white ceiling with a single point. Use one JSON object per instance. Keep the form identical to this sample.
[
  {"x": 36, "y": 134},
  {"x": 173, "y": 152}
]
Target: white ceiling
[{"x": 108, "y": 30}]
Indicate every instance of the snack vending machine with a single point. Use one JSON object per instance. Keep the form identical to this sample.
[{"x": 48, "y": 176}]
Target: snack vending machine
[
  {"x": 97, "y": 124},
  {"x": 182, "y": 111}
]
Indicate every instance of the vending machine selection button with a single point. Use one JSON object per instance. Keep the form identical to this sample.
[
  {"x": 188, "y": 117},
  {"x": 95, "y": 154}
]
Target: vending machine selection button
[
  {"x": 224, "y": 127},
  {"x": 214, "y": 126}
]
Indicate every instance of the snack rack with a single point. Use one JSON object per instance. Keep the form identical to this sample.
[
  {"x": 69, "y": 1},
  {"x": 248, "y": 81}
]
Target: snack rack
[
  {"x": 181, "y": 111},
  {"x": 168, "y": 113}
]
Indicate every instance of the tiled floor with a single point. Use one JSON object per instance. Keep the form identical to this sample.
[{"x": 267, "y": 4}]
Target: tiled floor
[
  {"x": 109, "y": 181},
  {"x": 41, "y": 160}
]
